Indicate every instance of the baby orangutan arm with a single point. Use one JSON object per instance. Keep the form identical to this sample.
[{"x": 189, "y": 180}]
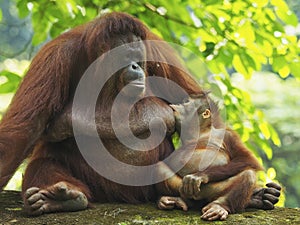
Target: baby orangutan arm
[{"x": 240, "y": 159}]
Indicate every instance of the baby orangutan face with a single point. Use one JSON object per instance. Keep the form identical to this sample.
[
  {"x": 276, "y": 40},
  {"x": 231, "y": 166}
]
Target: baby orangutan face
[{"x": 184, "y": 112}]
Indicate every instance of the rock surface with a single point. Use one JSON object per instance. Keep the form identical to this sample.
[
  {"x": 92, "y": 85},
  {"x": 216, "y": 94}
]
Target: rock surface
[{"x": 122, "y": 214}]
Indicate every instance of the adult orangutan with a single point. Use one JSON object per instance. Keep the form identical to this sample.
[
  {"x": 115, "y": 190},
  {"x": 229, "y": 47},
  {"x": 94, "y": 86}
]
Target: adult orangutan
[{"x": 57, "y": 177}]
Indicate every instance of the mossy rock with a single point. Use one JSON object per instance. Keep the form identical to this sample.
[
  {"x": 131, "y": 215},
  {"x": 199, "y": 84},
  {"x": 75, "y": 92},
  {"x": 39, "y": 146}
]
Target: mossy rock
[{"x": 122, "y": 214}]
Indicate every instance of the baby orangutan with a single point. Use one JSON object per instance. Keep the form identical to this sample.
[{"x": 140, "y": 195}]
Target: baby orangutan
[{"x": 221, "y": 172}]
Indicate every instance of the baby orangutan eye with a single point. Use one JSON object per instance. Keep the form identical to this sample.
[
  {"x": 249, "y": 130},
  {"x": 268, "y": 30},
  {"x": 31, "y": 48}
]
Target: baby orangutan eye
[{"x": 206, "y": 114}]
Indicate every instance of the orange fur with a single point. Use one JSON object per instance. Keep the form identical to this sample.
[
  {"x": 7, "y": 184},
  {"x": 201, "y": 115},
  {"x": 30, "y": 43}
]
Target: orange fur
[{"x": 49, "y": 86}]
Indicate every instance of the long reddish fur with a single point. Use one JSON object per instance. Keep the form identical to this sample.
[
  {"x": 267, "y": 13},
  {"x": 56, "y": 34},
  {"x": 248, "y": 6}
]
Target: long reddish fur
[{"x": 49, "y": 85}]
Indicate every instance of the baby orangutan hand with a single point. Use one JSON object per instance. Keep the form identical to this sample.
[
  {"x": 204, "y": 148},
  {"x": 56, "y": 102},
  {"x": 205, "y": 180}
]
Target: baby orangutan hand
[
  {"x": 169, "y": 202},
  {"x": 191, "y": 185}
]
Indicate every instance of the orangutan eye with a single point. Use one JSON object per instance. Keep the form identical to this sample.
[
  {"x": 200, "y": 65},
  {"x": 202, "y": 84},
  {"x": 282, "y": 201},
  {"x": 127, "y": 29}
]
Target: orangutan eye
[{"x": 206, "y": 114}]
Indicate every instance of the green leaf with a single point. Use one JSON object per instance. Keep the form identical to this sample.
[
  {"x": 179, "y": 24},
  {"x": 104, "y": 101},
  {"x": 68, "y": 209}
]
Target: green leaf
[
  {"x": 280, "y": 4},
  {"x": 244, "y": 64},
  {"x": 73, "y": 5},
  {"x": 264, "y": 128},
  {"x": 55, "y": 30},
  {"x": 238, "y": 64},
  {"x": 176, "y": 140},
  {"x": 274, "y": 136},
  {"x": 271, "y": 173},
  {"x": 207, "y": 37},
  {"x": 62, "y": 6},
  {"x": 0, "y": 14},
  {"x": 266, "y": 148},
  {"x": 12, "y": 77},
  {"x": 270, "y": 14},
  {"x": 41, "y": 28},
  {"x": 245, "y": 135},
  {"x": 288, "y": 17},
  {"x": 237, "y": 93},
  {"x": 22, "y": 8},
  {"x": 284, "y": 71},
  {"x": 260, "y": 3},
  {"x": 295, "y": 69},
  {"x": 278, "y": 63},
  {"x": 267, "y": 48},
  {"x": 12, "y": 82},
  {"x": 284, "y": 13},
  {"x": 225, "y": 56},
  {"x": 246, "y": 35}
]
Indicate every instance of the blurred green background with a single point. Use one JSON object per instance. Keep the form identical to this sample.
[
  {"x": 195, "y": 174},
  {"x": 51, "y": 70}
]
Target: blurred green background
[{"x": 247, "y": 54}]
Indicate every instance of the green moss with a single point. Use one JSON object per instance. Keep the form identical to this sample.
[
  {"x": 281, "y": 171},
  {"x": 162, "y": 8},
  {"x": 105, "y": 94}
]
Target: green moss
[{"x": 146, "y": 214}]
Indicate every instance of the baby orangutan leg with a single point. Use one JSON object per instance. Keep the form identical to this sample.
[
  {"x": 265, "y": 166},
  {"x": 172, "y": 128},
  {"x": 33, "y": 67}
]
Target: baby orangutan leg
[
  {"x": 169, "y": 188},
  {"x": 224, "y": 197},
  {"x": 228, "y": 196},
  {"x": 214, "y": 211},
  {"x": 59, "y": 197}
]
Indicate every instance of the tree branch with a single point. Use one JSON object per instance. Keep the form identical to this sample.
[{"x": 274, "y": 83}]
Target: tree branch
[{"x": 153, "y": 8}]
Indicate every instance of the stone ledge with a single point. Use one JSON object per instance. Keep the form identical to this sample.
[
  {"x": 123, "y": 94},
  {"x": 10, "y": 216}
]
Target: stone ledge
[{"x": 122, "y": 214}]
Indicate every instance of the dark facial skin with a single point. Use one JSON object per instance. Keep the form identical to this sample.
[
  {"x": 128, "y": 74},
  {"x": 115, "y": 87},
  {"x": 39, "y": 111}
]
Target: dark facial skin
[
  {"x": 129, "y": 81},
  {"x": 133, "y": 77}
]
